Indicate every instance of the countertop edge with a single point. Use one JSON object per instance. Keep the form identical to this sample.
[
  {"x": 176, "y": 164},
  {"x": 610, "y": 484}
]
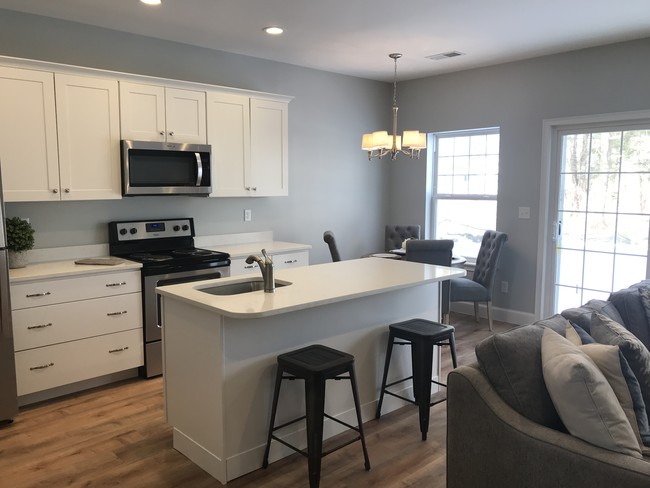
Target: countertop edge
[{"x": 309, "y": 302}]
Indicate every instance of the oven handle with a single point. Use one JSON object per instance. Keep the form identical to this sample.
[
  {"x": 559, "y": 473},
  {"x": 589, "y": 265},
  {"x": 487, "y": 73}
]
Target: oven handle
[{"x": 199, "y": 169}]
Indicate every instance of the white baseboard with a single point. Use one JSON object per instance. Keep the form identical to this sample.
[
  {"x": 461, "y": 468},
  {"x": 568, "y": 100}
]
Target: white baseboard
[{"x": 515, "y": 317}]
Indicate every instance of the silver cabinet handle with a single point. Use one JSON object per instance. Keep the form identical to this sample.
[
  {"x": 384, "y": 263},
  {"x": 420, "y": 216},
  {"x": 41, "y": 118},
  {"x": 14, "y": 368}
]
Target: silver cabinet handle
[
  {"x": 67, "y": 190},
  {"x": 33, "y": 295},
  {"x": 111, "y": 351},
  {"x": 249, "y": 267},
  {"x": 254, "y": 188},
  {"x": 122, "y": 283},
  {"x": 111, "y": 314},
  {"x": 55, "y": 190},
  {"x": 162, "y": 132},
  {"x": 39, "y": 326},
  {"x": 44, "y": 366},
  {"x": 291, "y": 261},
  {"x": 171, "y": 133}
]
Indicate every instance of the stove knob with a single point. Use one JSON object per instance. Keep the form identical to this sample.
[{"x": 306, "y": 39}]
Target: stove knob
[
  {"x": 177, "y": 228},
  {"x": 133, "y": 230},
  {"x": 123, "y": 231},
  {"x": 186, "y": 227}
]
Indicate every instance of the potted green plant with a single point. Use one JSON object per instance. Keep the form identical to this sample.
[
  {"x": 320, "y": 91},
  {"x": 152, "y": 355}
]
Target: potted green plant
[{"x": 20, "y": 238}]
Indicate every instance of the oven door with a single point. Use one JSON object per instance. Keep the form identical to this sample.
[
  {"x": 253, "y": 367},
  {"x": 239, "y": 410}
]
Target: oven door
[{"x": 151, "y": 308}]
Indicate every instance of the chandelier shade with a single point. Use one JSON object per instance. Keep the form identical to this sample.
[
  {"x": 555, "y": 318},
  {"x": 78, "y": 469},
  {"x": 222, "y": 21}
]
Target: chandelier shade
[{"x": 380, "y": 143}]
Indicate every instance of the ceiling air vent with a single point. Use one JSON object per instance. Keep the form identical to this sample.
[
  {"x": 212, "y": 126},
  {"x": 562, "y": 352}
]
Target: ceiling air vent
[{"x": 447, "y": 55}]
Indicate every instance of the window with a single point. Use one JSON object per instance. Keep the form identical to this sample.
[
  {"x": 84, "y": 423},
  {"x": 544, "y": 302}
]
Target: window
[{"x": 465, "y": 187}]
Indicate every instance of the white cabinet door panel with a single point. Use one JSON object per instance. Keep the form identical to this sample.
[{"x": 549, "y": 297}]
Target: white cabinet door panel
[
  {"x": 142, "y": 112},
  {"x": 28, "y": 139},
  {"x": 269, "y": 147},
  {"x": 185, "y": 110},
  {"x": 229, "y": 136},
  {"x": 89, "y": 135}
]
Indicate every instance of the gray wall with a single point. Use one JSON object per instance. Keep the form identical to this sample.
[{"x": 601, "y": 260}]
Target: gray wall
[
  {"x": 336, "y": 187},
  {"x": 329, "y": 187},
  {"x": 517, "y": 97}
]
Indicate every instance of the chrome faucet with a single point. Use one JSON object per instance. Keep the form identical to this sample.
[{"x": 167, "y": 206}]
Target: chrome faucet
[{"x": 266, "y": 267}]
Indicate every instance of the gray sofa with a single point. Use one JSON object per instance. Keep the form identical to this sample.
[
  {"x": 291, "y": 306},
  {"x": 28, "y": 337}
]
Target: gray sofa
[{"x": 502, "y": 428}]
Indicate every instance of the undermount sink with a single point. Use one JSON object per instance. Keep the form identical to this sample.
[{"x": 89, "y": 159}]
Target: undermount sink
[{"x": 240, "y": 287}]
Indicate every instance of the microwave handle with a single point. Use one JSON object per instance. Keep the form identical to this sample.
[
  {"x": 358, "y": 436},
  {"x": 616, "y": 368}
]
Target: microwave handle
[{"x": 199, "y": 169}]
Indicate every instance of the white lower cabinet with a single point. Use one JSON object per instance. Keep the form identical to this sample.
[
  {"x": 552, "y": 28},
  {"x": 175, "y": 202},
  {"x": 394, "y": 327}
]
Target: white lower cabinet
[
  {"x": 61, "y": 364},
  {"x": 76, "y": 328},
  {"x": 284, "y": 260}
]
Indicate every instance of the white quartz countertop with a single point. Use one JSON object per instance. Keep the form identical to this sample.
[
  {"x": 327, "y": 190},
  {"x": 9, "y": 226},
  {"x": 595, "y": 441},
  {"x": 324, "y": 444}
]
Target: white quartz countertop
[
  {"x": 312, "y": 286},
  {"x": 67, "y": 268},
  {"x": 246, "y": 249}
]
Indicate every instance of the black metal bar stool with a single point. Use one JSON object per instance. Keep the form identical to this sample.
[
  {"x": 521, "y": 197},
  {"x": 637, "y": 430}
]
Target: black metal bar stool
[
  {"x": 315, "y": 364},
  {"x": 421, "y": 335}
]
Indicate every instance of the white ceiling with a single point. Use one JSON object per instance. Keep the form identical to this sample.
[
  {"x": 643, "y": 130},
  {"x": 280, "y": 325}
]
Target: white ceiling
[{"x": 354, "y": 37}]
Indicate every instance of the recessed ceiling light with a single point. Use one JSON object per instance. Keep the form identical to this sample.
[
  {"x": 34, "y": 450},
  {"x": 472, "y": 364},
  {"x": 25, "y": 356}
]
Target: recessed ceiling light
[
  {"x": 151, "y": 2},
  {"x": 273, "y": 30}
]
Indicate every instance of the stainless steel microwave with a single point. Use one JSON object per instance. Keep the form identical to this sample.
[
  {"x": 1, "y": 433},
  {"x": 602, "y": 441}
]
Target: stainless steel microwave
[{"x": 165, "y": 168}]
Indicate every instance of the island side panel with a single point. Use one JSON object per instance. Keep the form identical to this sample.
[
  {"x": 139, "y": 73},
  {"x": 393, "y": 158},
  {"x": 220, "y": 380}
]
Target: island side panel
[
  {"x": 358, "y": 326},
  {"x": 193, "y": 384}
]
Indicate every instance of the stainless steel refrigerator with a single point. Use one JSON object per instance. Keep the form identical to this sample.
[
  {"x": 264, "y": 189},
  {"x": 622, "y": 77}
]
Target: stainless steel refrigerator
[{"x": 8, "y": 395}]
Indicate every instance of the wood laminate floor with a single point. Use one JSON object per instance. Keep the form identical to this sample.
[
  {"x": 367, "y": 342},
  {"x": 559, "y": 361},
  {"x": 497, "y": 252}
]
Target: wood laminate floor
[{"x": 115, "y": 436}]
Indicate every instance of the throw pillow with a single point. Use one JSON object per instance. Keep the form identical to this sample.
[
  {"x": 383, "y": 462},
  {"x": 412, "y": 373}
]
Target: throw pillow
[
  {"x": 572, "y": 335},
  {"x": 606, "y": 331},
  {"x": 584, "y": 335},
  {"x": 611, "y": 363},
  {"x": 583, "y": 398},
  {"x": 582, "y": 315},
  {"x": 512, "y": 362},
  {"x": 629, "y": 304}
]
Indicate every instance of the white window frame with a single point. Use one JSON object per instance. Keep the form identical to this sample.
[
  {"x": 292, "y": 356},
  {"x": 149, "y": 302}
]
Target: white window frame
[{"x": 434, "y": 197}]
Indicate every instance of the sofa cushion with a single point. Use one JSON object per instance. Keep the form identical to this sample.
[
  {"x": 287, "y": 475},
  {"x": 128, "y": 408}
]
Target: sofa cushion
[
  {"x": 629, "y": 304},
  {"x": 512, "y": 362},
  {"x": 583, "y": 397},
  {"x": 581, "y": 316},
  {"x": 606, "y": 331}
]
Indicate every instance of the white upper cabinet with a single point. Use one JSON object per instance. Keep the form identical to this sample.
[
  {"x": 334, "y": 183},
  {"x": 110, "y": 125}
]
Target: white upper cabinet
[
  {"x": 269, "y": 146},
  {"x": 229, "y": 136},
  {"x": 87, "y": 112},
  {"x": 249, "y": 146},
  {"x": 28, "y": 140},
  {"x": 156, "y": 113}
]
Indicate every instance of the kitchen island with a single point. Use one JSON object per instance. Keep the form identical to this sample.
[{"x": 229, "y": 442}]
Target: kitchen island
[{"x": 219, "y": 352}]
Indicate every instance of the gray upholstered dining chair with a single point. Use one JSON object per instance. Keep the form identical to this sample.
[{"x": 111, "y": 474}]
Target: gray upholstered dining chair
[
  {"x": 328, "y": 237},
  {"x": 479, "y": 287},
  {"x": 433, "y": 251},
  {"x": 396, "y": 234}
]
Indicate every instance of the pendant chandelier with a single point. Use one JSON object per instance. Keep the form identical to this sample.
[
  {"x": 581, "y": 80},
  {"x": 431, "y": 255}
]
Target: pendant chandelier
[{"x": 380, "y": 143}]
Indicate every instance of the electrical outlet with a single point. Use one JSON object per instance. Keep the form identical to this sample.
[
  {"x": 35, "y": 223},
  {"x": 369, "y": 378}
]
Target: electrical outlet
[
  {"x": 247, "y": 215},
  {"x": 524, "y": 212},
  {"x": 504, "y": 287}
]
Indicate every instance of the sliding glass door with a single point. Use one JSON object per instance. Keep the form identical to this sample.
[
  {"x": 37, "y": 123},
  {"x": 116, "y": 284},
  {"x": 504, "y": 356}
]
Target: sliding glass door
[{"x": 602, "y": 220}]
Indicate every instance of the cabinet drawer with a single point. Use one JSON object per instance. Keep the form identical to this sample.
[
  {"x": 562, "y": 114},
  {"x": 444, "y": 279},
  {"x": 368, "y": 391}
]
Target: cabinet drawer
[
  {"x": 239, "y": 267},
  {"x": 53, "y": 324},
  {"x": 61, "y": 290},
  {"x": 291, "y": 259},
  {"x": 48, "y": 367}
]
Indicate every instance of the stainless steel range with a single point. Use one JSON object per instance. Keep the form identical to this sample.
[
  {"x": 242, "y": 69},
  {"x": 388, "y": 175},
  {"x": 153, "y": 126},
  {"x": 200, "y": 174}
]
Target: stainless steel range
[{"x": 168, "y": 256}]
